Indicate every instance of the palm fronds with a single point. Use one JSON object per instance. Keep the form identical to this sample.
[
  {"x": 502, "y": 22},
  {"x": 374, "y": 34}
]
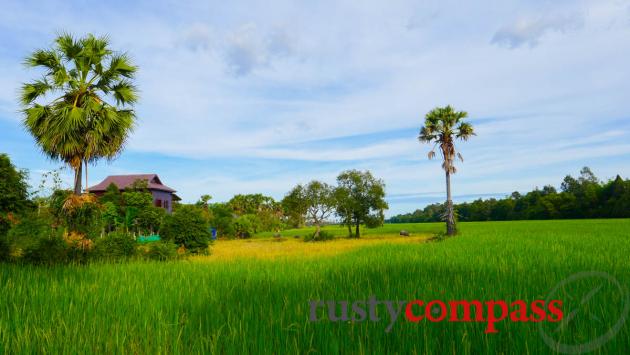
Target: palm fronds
[{"x": 93, "y": 116}]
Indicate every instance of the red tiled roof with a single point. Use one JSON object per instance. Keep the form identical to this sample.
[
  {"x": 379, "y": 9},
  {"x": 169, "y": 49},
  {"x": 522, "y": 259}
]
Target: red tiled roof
[{"x": 123, "y": 181}]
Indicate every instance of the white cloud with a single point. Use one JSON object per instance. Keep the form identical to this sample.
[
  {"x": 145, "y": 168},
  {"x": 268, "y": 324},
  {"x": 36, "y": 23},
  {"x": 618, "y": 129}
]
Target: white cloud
[
  {"x": 233, "y": 81},
  {"x": 529, "y": 31}
]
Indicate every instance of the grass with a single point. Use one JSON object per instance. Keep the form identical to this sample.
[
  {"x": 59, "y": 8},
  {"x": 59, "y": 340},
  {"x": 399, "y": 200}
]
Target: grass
[
  {"x": 252, "y": 297},
  {"x": 421, "y": 229}
]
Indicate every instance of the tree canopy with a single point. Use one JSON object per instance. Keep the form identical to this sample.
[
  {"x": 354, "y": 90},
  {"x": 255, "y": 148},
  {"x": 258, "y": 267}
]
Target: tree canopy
[
  {"x": 360, "y": 199},
  {"x": 13, "y": 187},
  {"x": 442, "y": 126},
  {"x": 581, "y": 197},
  {"x": 81, "y": 109}
]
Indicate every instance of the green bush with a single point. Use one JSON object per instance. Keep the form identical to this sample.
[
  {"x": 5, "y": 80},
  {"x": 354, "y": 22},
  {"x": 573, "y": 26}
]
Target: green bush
[
  {"x": 323, "y": 236},
  {"x": 188, "y": 227},
  {"x": 47, "y": 251},
  {"x": 116, "y": 245},
  {"x": 28, "y": 231},
  {"x": 246, "y": 226},
  {"x": 161, "y": 251}
]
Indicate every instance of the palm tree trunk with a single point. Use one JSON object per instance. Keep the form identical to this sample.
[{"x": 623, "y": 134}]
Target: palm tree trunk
[
  {"x": 87, "y": 189},
  {"x": 77, "y": 179},
  {"x": 450, "y": 212}
]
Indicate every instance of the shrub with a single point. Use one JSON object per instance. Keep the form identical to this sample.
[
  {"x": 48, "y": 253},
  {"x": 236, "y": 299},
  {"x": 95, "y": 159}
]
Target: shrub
[
  {"x": 245, "y": 226},
  {"x": 188, "y": 227},
  {"x": 161, "y": 251},
  {"x": 149, "y": 219},
  {"x": 323, "y": 236},
  {"x": 28, "y": 231},
  {"x": 116, "y": 245},
  {"x": 221, "y": 218},
  {"x": 81, "y": 214},
  {"x": 47, "y": 251}
]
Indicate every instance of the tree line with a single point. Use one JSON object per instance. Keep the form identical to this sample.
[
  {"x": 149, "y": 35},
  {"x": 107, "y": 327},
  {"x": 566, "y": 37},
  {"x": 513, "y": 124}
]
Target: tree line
[
  {"x": 358, "y": 199},
  {"x": 584, "y": 196}
]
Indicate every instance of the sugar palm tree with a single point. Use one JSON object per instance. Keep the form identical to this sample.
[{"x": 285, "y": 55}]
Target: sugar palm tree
[
  {"x": 81, "y": 110},
  {"x": 442, "y": 126}
]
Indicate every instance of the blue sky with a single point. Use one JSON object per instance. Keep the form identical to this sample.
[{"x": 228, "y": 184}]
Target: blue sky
[{"x": 258, "y": 96}]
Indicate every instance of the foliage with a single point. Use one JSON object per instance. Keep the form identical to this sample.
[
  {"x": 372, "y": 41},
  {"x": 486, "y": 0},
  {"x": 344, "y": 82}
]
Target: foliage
[
  {"x": 137, "y": 199},
  {"x": 187, "y": 226},
  {"x": 50, "y": 181},
  {"x": 149, "y": 219},
  {"x": 221, "y": 218},
  {"x": 442, "y": 126},
  {"x": 246, "y": 226},
  {"x": 319, "y": 236},
  {"x": 268, "y": 212},
  {"x": 361, "y": 199},
  {"x": 112, "y": 195},
  {"x": 5, "y": 225},
  {"x": 161, "y": 251},
  {"x": 29, "y": 226},
  {"x": 13, "y": 187},
  {"x": 295, "y": 206},
  {"x": 111, "y": 217},
  {"x": 582, "y": 197},
  {"x": 82, "y": 214},
  {"x": 115, "y": 245},
  {"x": 47, "y": 251},
  {"x": 93, "y": 116}
]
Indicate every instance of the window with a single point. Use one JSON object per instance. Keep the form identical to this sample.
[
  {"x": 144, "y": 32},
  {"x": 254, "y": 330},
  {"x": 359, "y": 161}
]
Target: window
[
  {"x": 158, "y": 203},
  {"x": 166, "y": 204}
]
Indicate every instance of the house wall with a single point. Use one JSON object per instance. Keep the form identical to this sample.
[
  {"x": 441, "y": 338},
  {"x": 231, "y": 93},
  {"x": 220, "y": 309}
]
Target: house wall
[{"x": 163, "y": 196}]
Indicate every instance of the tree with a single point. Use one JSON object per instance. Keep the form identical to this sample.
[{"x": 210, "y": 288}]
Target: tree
[
  {"x": 268, "y": 212},
  {"x": 344, "y": 206},
  {"x": 363, "y": 199},
  {"x": 221, "y": 218},
  {"x": 203, "y": 201},
  {"x": 320, "y": 203},
  {"x": 294, "y": 207},
  {"x": 13, "y": 187},
  {"x": 442, "y": 126},
  {"x": 80, "y": 125}
]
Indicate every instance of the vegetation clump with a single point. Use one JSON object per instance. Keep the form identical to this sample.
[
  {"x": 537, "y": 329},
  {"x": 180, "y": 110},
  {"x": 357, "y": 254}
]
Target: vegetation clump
[{"x": 187, "y": 227}]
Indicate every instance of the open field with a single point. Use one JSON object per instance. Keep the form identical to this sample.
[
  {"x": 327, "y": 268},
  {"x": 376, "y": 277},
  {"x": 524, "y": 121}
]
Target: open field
[
  {"x": 241, "y": 300},
  {"x": 385, "y": 230}
]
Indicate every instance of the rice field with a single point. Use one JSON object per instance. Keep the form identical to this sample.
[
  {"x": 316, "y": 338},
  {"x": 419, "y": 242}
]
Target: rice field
[{"x": 253, "y": 296}]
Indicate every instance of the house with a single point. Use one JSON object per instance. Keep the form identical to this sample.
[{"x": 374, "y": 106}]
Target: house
[{"x": 163, "y": 196}]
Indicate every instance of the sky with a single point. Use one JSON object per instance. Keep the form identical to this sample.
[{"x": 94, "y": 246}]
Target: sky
[{"x": 258, "y": 96}]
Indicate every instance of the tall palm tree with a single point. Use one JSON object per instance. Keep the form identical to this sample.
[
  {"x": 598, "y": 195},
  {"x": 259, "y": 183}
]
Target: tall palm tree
[
  {"x": 442, "y": 126},
  {"x": 81, "y": 110}
]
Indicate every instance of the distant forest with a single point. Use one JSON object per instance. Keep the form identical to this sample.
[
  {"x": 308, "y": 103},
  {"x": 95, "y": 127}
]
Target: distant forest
[{"x": 582, "y": 197}]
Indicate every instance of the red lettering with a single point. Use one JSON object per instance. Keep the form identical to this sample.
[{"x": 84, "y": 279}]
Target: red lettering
[
  {"x": 431, "y": 306},
  {"x": 466, "y": 305},
  {"x": 409, "y": 311},
  {"x": 557, "y": 311},
  {"x": 519, "y": 314},
  {"x": 492, "y": 318},
  {"x": 538, "y": 310}
]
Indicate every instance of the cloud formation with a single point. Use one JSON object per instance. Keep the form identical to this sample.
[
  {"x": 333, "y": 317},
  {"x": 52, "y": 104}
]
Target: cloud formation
[
  {"x": 261, "y": 96},
  {"x": 529, "y": 31}
]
